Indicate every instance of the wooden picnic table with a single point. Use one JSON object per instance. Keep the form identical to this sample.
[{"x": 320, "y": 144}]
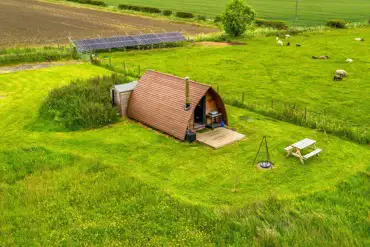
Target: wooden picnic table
[{"x": 295, "y": 149}]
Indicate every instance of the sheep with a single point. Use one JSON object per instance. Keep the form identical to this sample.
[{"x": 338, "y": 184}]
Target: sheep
[
  {"x": 338, "y": 78},
  {"x": 288, "y": 44},
  {"x": 349, "y": 60},
  {"x": 341, "y": 73},
  {"x": 280, "y": 43},
  {"x": 298, "y": 45},
  {"x": 359, "y": 39},
  {"x": 287, "y": 36},
  {"x": 324, "y": 57},
  {"x": 314, "y": 57},
  {"x": 277, "y": 38}
]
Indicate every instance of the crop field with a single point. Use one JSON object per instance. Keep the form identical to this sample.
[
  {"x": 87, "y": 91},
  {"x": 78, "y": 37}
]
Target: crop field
[
  {"x": 266, "y": 72},
  {"x": 131, "y": 185},
  {"x": 43, "y": 23},
  {"x": 312, "y": 12}
]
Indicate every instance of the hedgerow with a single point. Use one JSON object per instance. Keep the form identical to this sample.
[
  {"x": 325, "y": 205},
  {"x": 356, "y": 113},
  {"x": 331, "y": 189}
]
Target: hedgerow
[
  {"x": 279, "y": 25},
  {"x": 140, "y": 8}
]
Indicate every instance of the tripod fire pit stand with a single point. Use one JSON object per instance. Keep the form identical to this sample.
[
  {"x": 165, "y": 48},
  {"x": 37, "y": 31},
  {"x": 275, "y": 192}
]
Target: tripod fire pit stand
[{"x": 265, "y": 164}]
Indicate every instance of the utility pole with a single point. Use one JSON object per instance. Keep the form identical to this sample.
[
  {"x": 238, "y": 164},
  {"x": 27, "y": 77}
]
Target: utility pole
[{"x": 296, "y": 15}]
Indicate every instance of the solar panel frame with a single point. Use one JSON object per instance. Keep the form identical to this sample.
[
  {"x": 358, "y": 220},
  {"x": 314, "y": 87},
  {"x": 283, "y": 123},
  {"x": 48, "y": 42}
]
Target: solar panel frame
[{"x": 87, "y": 45}]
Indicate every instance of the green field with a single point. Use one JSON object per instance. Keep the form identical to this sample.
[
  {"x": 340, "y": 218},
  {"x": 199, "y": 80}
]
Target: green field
[
  {"x": 125, "y": 184},
  {"x": 289, "y": 75},
  {"x": 312, "y": 12}
]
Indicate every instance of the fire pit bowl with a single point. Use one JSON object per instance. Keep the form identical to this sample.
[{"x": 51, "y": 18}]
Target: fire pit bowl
[{"x": 265, "y": 165}]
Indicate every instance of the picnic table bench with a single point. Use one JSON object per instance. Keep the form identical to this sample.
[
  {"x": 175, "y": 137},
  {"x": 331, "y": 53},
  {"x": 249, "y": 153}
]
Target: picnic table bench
[{"x": 295, "y": 149}]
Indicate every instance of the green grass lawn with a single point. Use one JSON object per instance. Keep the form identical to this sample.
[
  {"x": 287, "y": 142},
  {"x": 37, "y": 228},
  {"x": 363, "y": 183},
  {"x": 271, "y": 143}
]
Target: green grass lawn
[
  {"x": 289, "y": 75},
  {"x": 127, "y": 184},
  {"x": 313, "y": 12}
]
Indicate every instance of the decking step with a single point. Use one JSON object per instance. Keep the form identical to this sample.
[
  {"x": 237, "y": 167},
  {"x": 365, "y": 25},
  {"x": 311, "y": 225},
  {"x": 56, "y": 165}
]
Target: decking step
[{"x": 314, "y": 152}]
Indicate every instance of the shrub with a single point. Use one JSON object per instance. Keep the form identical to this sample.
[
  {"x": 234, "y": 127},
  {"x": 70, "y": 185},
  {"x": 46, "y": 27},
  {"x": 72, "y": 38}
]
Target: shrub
[
  {"x": 184, "y": 15},
  {"x": 81, "y": 104},
  {"x": 236, "y": 17},
  {"x": 167, "y": 12},
  {"x": 140, "y": 8},
  {"x": 202, "y": 17},
  {"x": 92, "y": 2},
  {"x": 217, "y": 19},
  {"x": 280, "y": 25},
  {"x": 336, "y": 23}
]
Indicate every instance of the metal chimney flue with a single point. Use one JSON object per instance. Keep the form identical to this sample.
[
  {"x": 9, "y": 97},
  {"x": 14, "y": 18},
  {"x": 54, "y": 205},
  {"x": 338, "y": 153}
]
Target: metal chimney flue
[{"x": 187, "y": 101}]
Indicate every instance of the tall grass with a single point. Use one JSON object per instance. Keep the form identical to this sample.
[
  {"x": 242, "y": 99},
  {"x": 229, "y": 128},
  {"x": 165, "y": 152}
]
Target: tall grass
[
  {"x": 35, "y": 54},
  {"x": 81, "y": 104},
  {"x": 303, "y": 116}
]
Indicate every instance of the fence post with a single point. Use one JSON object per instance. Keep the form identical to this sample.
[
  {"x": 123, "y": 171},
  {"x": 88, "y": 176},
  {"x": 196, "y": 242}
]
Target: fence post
[{"x": 305, "y": 114}]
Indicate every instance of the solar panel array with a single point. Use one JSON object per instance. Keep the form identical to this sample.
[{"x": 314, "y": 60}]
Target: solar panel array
[{"x": 86, "y": 45}]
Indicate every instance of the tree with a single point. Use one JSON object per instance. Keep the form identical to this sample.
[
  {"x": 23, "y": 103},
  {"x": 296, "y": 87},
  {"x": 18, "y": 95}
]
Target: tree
[{"x": 237, "y": 16}]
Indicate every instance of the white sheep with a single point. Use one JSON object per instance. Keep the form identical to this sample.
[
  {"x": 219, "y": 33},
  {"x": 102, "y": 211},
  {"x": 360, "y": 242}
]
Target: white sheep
[
  {"x": 341, "y": 73},
  {"x": 349, "y": 60},
  {"x": 280, "y": 43},
  {"x": 287, "y": 36},
  {"x": 277, "y": 38},
  {"x": 359, "y": 39}
]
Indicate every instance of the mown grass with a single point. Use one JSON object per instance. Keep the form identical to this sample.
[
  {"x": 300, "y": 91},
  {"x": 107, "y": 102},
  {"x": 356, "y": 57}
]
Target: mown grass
[
  {"x": 314, "y": 12},
  {"x": 126, "y": 184},
  {"x": 268, "y": 73}
]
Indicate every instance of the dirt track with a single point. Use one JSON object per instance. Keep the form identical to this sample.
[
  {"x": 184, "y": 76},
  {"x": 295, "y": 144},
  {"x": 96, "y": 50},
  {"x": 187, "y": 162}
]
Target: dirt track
[{"x": 31, "y": 22}]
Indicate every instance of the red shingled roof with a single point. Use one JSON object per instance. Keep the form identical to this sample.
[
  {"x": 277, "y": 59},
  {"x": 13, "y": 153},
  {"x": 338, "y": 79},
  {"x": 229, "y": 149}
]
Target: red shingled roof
[{"x": 158, "y": 101}]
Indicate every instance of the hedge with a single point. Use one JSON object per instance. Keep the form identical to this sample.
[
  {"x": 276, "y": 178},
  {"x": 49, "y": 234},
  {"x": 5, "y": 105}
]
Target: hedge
[
  {"x": 336, "y": 23},
  {"x": 167, "y": 12},
  {"x": 202, "y": 17},
  {"x": 92, "y": 2},
  {"x": 280, "y": 25},
  {"x": 185, "y": 15},
  {"x": 140, "y": 8}
]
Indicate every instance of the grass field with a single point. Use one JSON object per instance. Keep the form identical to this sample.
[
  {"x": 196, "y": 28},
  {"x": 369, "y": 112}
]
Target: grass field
[
  {"x": 313, "y": 12},
  {"x": 126, "y": 184},
  {"x": 289, "y": 75}
]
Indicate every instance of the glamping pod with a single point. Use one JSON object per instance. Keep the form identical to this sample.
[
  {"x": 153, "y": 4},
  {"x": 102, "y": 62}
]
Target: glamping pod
[{"x": 176, "y": 106}]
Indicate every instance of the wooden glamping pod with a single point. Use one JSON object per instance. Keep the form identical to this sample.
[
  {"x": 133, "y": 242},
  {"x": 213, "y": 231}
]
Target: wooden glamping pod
[{"x": 176, "y": 106}]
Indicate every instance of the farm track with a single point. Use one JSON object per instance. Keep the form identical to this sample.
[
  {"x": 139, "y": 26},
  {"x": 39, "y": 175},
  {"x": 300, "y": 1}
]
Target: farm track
[
  {"x": 29, "y": 22},
  {"x": 33, "y": 66}
]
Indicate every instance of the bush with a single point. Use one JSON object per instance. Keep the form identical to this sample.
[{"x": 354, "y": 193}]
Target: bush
[
  {"x": 236, "y": 17},
  {"x": 336, "y": 23},
  {"x": 202, "y": 17},
  {"x": 217, "y": 19},
  {"x": 280, "y": 25},
  {"x": 92, "y": 2},
  {"x": 140, "y": 8},
  {"x": 184, "y": 15},
  {"x": 167, "y": 12},
  {"x": 81, "y": 104}
]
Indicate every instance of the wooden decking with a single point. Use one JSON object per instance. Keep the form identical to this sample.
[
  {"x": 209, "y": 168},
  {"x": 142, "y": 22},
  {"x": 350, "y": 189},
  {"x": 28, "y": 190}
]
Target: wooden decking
[{"x": 219, "y": 137}]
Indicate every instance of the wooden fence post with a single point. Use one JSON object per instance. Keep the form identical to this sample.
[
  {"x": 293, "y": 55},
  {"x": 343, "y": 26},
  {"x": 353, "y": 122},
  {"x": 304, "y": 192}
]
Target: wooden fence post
[{"x": 305, "y": 114}]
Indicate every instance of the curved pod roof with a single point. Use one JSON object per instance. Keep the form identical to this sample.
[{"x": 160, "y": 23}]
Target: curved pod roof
[{"x": 158, "y": 101}]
